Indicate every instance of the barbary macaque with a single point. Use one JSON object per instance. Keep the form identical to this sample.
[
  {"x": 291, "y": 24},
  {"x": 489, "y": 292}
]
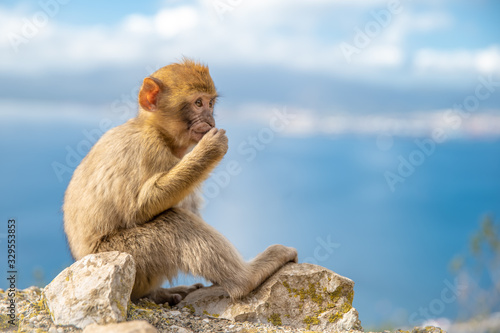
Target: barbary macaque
[{"x": 138, "y": 191}]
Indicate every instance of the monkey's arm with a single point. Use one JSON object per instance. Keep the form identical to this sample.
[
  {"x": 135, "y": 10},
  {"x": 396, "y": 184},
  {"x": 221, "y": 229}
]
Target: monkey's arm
[{"x": 165, "y": 190}]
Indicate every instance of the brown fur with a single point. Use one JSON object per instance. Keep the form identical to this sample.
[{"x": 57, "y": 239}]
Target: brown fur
[{"x": 137, "y": 191}]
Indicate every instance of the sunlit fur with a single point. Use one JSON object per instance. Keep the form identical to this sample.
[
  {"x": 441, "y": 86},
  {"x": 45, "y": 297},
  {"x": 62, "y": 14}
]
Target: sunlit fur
[
  {"x": 179, "y": 90},
  {"x": 137, "y": 191}
]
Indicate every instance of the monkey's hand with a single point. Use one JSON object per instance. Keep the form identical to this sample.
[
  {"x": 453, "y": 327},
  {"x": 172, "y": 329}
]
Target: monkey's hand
[
  {"x": 167, "y": 189},
  {"x": 213, "y": 144}
]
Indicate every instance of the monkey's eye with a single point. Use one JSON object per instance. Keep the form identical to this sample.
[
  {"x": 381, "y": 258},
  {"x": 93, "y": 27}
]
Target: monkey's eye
[
  {"x": 199, "y": 103},
  {"x": 211, "y": 103}
]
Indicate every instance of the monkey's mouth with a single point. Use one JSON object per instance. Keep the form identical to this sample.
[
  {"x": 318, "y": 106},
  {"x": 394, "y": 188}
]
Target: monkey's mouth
[{"x": 200, "y": 129}]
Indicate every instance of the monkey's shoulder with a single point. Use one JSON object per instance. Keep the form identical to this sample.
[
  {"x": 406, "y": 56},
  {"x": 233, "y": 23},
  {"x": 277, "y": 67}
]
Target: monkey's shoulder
[{"x": 135, "y": 147}]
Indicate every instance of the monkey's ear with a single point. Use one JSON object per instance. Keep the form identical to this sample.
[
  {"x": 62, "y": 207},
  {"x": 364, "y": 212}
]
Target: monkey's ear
[{"x": 148, "y": 95}]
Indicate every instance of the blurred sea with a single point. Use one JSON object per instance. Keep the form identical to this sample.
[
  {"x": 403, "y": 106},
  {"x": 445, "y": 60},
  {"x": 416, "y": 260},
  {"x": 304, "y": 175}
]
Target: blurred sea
[{"x": 302, "y": 192}]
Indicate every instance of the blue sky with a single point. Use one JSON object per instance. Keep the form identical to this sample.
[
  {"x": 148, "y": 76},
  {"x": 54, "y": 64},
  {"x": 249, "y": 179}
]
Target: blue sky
[{"x": 67, "y": 67}]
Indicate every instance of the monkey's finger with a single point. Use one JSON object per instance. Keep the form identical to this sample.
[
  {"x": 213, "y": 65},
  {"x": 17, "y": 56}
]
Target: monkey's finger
[
  {"x": 221, "y": 133},
  {"x": 210, "y": 134},
  {"x": 212, "y": 131}
]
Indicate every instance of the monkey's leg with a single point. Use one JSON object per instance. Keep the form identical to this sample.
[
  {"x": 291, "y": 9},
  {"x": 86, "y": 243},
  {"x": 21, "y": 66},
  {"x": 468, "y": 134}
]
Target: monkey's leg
[
  {"x": 154, "y": 250},
  {"x": 270, "y": 260},
  {"x": 205, "y": 252},
  {"x": 180, "y": 240}
]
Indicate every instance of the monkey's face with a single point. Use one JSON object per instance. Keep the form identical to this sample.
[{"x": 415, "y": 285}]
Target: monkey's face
[
  {"x": 199, "y": 116},
  {"x": 179, "y": 99}
]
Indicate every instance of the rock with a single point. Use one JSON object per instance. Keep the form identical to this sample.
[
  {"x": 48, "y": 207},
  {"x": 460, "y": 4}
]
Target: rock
[
  {"x": 178, "y": 329},
  {"x": 136, "y": 326},
  {"x": 95, "y": 289},
  {"x": 175, "y": 313},
  {"x": 298, "y": 295}
]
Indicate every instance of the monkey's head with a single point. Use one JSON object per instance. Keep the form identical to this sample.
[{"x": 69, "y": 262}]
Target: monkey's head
[{"x": 180, "y": 98}]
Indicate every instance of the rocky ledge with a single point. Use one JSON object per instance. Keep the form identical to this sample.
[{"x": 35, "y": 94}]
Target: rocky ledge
[
  {"x": 93, "y": 295},
  {"x": 298, "y": 295}
]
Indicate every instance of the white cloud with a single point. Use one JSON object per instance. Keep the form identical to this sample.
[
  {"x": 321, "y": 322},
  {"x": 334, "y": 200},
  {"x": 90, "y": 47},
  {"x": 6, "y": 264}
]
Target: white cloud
[
  {"x": 252, "y": 32},
  {"x": 406, "y": 23},
  {"x": 484, "y": 61},
  {"x": 166, "y": 23},
  {"x": 171, "y": 22},
  {"x": 301, "y": 123},
  {"x": 414, "y": 124},
  {"x": 430, "y": 60},
  {"x": 138, "y": 24},
  {"x": 381, "y": 55},
  {"x": 430, "y": 22},
  {"x": 488, "y": 60},
  {"x": 381, "y": 40},
  {"x": 53, "y": 112}
]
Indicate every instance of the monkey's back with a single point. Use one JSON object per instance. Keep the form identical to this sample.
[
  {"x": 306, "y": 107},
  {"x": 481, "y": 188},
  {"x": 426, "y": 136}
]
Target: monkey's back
[{"x": 102, "y": 194}]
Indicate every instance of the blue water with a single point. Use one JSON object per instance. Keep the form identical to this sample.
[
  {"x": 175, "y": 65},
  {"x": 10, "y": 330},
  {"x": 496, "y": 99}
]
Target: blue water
[{"x": 302, "y": 192}]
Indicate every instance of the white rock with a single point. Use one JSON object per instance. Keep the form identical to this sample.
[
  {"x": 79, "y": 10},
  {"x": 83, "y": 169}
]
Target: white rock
[
  {"x": 298, "y": 295},
  {"x": 136, "y": 326},
  {"x": 178, "y": 329},
  {"x": 175, "y": 313},
  {"x": 95, "y": 289}
]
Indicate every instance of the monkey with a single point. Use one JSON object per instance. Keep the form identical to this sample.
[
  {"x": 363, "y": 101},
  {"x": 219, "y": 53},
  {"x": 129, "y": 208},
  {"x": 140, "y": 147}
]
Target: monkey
[{"x": 138, "y": 190}]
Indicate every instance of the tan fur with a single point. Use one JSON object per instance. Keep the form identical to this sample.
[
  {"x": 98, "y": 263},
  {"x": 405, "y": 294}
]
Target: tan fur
[{"x": 137, "y": 191}]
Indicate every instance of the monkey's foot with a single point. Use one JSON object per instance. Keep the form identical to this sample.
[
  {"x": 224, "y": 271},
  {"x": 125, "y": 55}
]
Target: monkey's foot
[
  {"x": 174, "y": 295},
  {"x": 281, "y": 253}
]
